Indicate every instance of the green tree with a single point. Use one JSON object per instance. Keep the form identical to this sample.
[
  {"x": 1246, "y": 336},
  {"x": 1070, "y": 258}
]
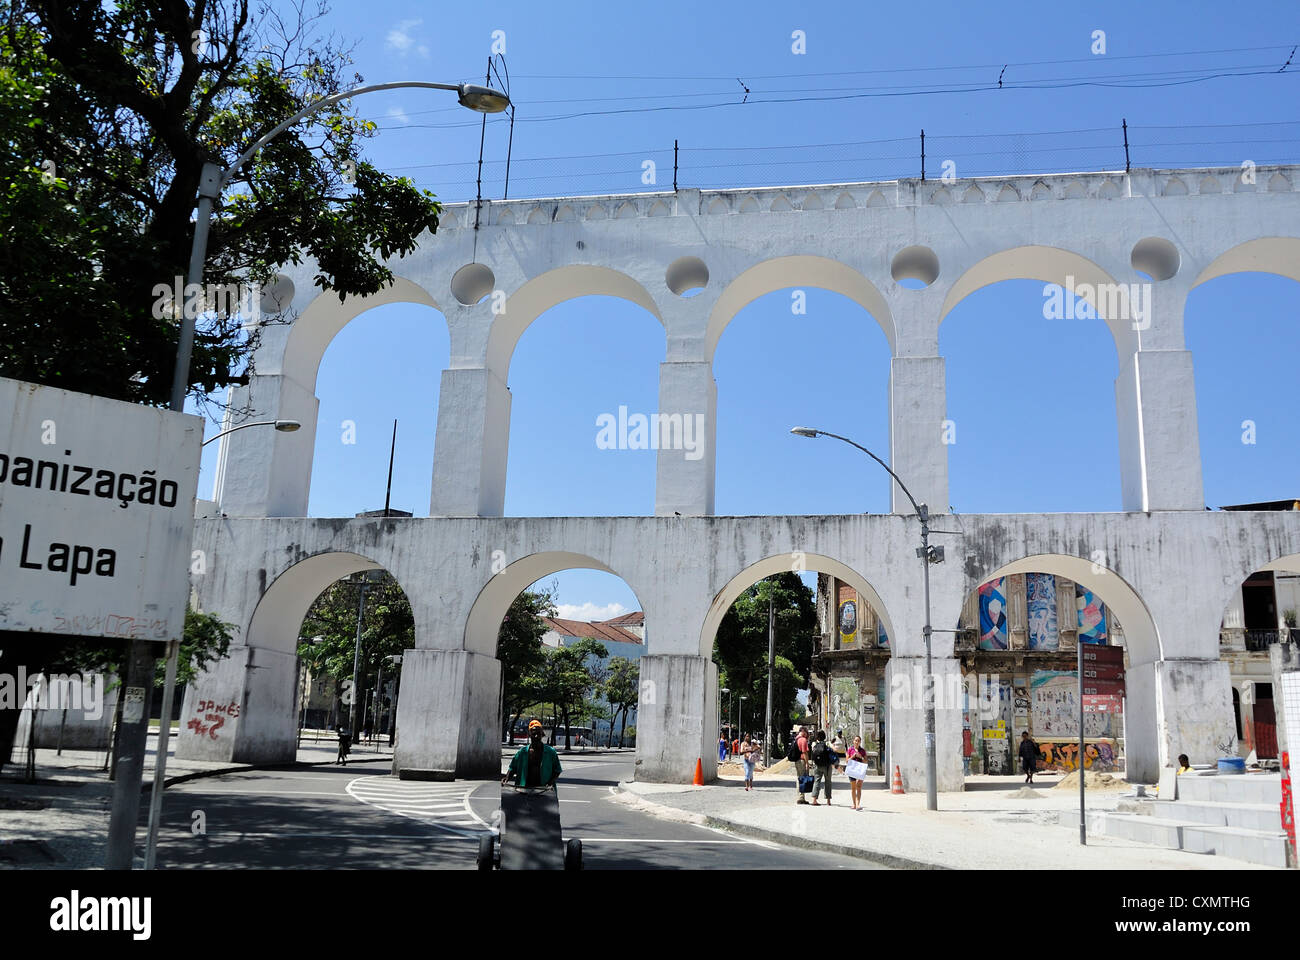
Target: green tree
[
  {"x": 566, "y": 679},
  {"x": 740, "y": 647},
  {"x": 329, "y": 633},
  {"x": 108, "y": 113},
  {"x": 519, "y": 648},
  {"x": 622, "y": 690}
]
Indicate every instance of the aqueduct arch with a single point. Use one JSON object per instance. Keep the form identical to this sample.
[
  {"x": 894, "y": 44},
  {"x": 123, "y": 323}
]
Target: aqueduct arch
[{"x": 729, "y": 246}]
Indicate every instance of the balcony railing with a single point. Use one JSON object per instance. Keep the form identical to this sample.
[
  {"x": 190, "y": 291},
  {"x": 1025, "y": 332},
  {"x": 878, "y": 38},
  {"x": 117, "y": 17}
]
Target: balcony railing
[{"x": 1259, "y": 640}]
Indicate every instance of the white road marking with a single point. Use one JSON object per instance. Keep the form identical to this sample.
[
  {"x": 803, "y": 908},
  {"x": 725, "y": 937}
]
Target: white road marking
[
  {"x": 441, "y": 805},
  {"x": 587, "y": 840}
]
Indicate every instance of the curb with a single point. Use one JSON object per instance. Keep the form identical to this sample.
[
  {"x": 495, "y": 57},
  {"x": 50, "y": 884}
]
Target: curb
[
  {"x": 773, "y": 836},
  {"x": 222, "y": 771}
]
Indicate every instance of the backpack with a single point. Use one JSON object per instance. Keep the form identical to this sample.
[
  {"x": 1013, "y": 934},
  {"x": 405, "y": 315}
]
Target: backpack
[
  {"x": 822, "y": 755},
  {"x": 792, "y": 752}
]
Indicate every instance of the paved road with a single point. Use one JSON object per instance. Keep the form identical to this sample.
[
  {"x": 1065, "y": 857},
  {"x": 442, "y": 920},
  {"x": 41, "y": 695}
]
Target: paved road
[{"x": 357, "y": 816}]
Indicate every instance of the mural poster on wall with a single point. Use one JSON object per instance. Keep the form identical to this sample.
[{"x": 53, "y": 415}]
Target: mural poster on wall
[
  {"x": 848, "y": 616},
  {"x": 993, "y": 615},
  {"x": 1040, "y": 596},
  {"x": 1054, "y": 708},
  {"x": 1092, "y": 617}
]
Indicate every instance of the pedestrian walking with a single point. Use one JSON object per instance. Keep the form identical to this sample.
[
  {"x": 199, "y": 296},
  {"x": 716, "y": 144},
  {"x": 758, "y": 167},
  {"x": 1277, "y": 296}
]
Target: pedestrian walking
[
  {"x": 798, "y": 755},
  {"x": 823, "y": 758},
  {"x": 749, "y": 756},
  {"x": 722, "y": 749},
  {"x": 856, "y": 755},
  {"x": 837, "y": 745},
  {"x": 1028, "y": 756},
  {"x": 345, "y": 743}
]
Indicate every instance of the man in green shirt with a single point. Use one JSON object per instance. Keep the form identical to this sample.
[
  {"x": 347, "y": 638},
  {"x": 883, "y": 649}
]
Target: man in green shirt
[{"x": 536, "y": 765}]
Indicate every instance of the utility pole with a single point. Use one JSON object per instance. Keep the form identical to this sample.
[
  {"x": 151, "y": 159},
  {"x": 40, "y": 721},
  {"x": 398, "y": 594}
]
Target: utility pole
[{"x": 771, "y": 651}]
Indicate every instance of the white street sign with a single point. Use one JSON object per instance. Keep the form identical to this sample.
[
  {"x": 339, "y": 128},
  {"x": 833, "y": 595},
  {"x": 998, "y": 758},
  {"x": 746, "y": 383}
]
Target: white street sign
[{"x": 96, "y": 514}]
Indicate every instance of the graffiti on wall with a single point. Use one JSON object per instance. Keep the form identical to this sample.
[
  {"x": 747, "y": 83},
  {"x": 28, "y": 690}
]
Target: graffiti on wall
[
  {"x": 1092, "y": 617},
  {"x": 845, "y": 705},
  {"x": 210, "y": 717},
  {"x": 993, "y": 615},
  {"x": 1040, "y": 599},
  {"x": 1054, "y": 708},
  {"x": 1064, "y": 756}
]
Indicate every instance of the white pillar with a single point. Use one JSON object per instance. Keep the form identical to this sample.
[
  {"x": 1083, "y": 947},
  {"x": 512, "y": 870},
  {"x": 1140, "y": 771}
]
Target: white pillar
[
  {"x": 1160, "y": 450},
  {"x": 917, "y": 453},
  {"x": 905, "y": 719},
  {"x": 469, "y": 457},
  {"x": 448, "y": 716},
  {"x": 675, "y": 718},
  {"x": 262, "y": 472},
  {"x": 1173, "y": 707},
  {"x": 684, "y": 478}
]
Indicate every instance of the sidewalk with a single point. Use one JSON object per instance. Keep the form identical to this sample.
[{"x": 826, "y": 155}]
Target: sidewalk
[
  {"x": 992, "y": 825},
  {"x": 60, "y": 822}
]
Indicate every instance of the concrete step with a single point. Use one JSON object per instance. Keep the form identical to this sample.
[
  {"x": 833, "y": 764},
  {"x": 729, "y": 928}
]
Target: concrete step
[
  {"x": 1157, "y": 831},
  {"x": 1253, "y": 846},
  {"x": 1266, "y": 847},
  {"x": 1245, "y": 816},
  {"x": 1239, "y": 788}
]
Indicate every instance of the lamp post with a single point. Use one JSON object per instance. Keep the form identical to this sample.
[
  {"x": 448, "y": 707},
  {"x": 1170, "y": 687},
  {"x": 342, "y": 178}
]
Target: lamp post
[
  {"x": 742, "y": 714},
  {"x": 212, "y": 180},
  {"x": 927, "y": 555},
  {"x": 365, "y": 579},
  {"x": 727, "y": 691},
  {"x": 284, "y": 426}
]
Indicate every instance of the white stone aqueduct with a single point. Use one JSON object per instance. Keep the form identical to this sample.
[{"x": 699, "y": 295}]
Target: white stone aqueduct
[{"x": 1167, "y": 566}]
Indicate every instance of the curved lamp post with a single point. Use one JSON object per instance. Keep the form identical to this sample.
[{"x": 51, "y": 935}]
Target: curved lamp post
[
  {"x": 213, "y": 179},
  {"x": 928, "y": 556},
  {"x": 284, "y": 426}
]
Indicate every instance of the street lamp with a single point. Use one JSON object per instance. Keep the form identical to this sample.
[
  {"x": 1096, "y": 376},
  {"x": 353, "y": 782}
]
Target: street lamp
[
  {"x": 365, "y": 579},
  {"x": 742, "y": 713},
  {"x": 213, "y": 179},
  {"x": 730, "y": 731},
  {"x": 284, "y": 426},
  {"x": 927, "y": 555}
]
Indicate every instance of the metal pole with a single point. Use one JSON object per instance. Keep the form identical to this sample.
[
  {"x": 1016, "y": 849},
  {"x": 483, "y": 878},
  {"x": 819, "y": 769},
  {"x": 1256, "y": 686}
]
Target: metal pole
[
  {"x": 1083, "y": 822},
  {"x": 133, "y": 733},
  {"x": 771, "y": 656},
  {"x": 354, "y": 718},
  {"x": 922, "y": 156},
  {"x": 1125, "y": 126},
  {"x": 674, "y": 166},
  {"x": 931, "y": 789},
  {"x": 160, "y": 766},
  {"x": 392, "y": 452}
]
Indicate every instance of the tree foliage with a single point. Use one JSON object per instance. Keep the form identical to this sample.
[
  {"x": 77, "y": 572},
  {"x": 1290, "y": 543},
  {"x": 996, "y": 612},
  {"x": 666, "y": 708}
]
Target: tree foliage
[
  {"x": 622, "y": 690},
  {"x": 329, "y": 631},
  {"x": 740, "y": 649},
  {"x": 519, "y": 648},
  {"x": 108, "y": 113}
]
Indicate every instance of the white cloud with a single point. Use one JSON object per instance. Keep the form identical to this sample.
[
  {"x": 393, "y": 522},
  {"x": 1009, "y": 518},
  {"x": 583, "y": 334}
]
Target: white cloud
[
  {"x": 589, "y": 612},
  {"x": 399, "y": 38},
  {"x": 398, "y": 114}
]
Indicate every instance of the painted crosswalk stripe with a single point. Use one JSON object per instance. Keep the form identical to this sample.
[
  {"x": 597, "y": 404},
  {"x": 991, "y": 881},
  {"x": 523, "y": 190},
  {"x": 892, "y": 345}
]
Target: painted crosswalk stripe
[{"x": 442, "y": 805}]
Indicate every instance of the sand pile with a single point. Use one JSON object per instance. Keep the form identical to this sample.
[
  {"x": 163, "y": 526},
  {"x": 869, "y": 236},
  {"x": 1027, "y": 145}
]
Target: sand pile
[
  {"x": 1029, "y": 793},
  {"x": 1095, "y": 781}
]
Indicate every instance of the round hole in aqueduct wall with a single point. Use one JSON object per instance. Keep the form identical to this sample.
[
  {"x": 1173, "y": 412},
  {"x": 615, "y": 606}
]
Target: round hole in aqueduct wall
[
  {"x": 1156, "y": 257},
  {"x": 472, "y": 282},
  {"x": 686, "y": 274},
  {"x": 915, "y": 264}
]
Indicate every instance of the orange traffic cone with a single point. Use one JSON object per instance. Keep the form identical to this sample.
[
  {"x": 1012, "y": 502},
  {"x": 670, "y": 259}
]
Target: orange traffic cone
[
  {"x": 898, "y": 781},
  {"x": 699, "y": 772}
]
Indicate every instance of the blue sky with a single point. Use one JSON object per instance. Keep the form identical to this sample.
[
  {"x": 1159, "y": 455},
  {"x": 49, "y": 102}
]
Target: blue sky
[{"x": 1009, "y": 370}]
